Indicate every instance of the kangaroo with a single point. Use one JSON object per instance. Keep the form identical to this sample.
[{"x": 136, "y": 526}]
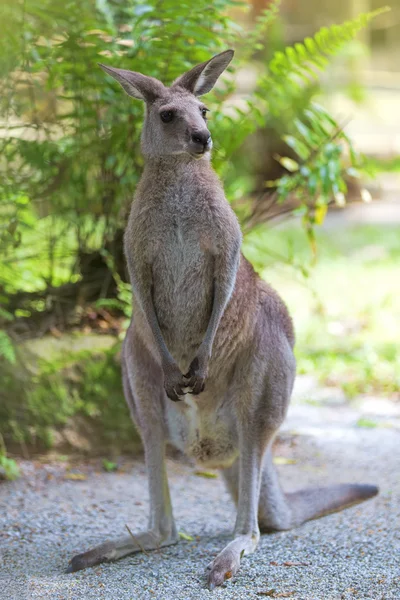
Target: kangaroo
[{"x": 207, "y": 361}]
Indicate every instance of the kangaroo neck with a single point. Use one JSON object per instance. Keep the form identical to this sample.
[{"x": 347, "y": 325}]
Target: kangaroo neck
[{"x": 172, "y": 169}]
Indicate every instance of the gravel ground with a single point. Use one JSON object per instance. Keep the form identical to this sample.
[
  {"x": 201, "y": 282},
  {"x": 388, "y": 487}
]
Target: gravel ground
[{"x": 46, "y": 518}]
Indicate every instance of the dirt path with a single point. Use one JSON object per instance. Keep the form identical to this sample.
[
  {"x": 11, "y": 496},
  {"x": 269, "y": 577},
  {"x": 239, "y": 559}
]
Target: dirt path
[{"x": 46, "y": 518}]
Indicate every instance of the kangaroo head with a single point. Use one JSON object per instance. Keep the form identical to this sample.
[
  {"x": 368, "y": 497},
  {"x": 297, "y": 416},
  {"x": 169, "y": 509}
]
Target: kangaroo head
[{"x": 176, "y": 120}]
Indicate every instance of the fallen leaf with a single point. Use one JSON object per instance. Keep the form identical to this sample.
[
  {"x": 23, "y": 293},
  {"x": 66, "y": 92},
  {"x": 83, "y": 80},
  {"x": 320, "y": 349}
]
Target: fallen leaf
[
  {"x": 289, "y": 563},
  {"x": 206, "y": 474},
  {"x": 75, "y": 476},
  {"x": 282, "y": 460},
  {"x": 274, "y": 563},
  {"x": 366, "y": 423},
  {"x": 186, "y": 536},
  {"x": 109, "y": 465},
  {"x": 274, "y": 594}
]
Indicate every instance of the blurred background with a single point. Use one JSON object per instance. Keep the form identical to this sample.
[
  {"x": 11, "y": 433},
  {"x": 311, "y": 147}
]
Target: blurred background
[{"x": 306, "y": 129}]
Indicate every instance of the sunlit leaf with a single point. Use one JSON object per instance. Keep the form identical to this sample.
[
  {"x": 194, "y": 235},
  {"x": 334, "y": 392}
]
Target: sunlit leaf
[
  {"x": 75, "y": 476},
  {"x": 320, "y": 214},
  {"x": 283, "y": 460},
  {"x": 186, "y": 536},
  {"x": 206, "y": 474}
]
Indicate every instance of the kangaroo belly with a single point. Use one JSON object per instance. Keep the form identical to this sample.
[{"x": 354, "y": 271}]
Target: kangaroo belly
[
  {"x": 208, "y": 436},
  {"x": 182, "y": 294}
]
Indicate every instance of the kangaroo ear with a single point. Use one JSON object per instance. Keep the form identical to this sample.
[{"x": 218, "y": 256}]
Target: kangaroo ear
[
  {"x": 135, "y": 84},
  {"x": 202, "y": 78}
]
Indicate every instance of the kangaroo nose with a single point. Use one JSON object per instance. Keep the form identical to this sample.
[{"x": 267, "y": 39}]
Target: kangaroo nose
[{"x": 201, "y": 137}]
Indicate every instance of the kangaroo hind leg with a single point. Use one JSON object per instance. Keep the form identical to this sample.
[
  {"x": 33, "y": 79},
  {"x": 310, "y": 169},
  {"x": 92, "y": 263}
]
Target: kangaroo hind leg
[
  {"x": 143, "y": 390},
  {"x": 279, "y": 511}
]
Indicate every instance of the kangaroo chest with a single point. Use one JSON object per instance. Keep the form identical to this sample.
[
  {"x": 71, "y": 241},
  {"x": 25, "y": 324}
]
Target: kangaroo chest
[{"x": 182, "y": 274}]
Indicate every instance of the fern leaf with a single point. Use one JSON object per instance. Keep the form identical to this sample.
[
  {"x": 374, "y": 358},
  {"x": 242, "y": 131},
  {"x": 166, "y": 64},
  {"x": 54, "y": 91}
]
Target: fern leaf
[{"x": 303, "y": 61}]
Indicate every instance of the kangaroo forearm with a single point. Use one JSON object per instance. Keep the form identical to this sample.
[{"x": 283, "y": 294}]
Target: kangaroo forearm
[
  {"x": 174, "y": 382},
  {"x": 224, "y": 283},
  {"x": 221, "y": 298},
  {"x": 151, "y": 317},
  {"x": 142, "y": 289}
]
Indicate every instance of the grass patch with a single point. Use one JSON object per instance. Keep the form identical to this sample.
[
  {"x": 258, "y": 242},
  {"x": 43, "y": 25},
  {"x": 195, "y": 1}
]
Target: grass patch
[{"x": 345, "y": 308}]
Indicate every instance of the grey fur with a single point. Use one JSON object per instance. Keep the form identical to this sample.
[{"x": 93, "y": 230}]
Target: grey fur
[{"x": 207, "y": 333}]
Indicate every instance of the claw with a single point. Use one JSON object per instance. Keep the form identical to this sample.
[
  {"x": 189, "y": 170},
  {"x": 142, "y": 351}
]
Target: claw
[
  {"x": 215, "y": 579},
  {"x": 174, "y": 397},
  {"x": 195, "y": 377},
  {"x": 77, "y": 563}
]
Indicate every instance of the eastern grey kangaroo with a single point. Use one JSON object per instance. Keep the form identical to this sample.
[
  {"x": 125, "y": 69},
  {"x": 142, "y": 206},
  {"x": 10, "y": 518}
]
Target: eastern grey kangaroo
[{"x": 207, "y": 361}]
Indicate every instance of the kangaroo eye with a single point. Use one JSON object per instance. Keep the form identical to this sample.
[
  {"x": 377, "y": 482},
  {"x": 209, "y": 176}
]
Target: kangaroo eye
[
  {"x": 204, "y": 112},
  {"x": 166, "y": 116}
]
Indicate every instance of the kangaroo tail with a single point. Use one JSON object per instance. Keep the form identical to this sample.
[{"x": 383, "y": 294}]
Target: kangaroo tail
[
  {"x": 278, "y": 511},
  {"x": 313, "y": 503}
]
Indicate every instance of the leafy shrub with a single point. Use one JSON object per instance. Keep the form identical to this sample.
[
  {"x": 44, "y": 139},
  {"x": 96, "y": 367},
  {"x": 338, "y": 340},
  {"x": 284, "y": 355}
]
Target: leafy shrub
[
  {"x": 41, "y": 399},
  {"x": 8, "y": 467},
  {"x": 70, "y": 157},
  {"x": 6, "y": 348}
]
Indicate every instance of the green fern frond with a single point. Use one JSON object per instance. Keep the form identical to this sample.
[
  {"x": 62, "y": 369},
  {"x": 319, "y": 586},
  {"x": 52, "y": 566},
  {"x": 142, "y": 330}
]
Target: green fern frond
[
  {"x": 304, "y": 60},
  {"x": 283, "y": 99},
  {"x": 282, "y": 90}
]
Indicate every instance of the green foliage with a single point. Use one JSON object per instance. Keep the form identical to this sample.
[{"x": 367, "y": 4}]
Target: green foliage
[
  {"x": 70, "y": 157},
  {"x": 8, "y": 467},
  {"x": 362, "y": 422},
  {"x": 81, "y": 389},
  {"x": 304, "y": 60},
  {"x": 6, "y": 348},
  {"x": 283, "y": 101},
  {"x": 109, "y": 465},
  {"x": 123, "y": 301},
  {"x": 74, "y": 149},
  {"x": 357, "y": 368},
  {"x": 373, "y": 166}
]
